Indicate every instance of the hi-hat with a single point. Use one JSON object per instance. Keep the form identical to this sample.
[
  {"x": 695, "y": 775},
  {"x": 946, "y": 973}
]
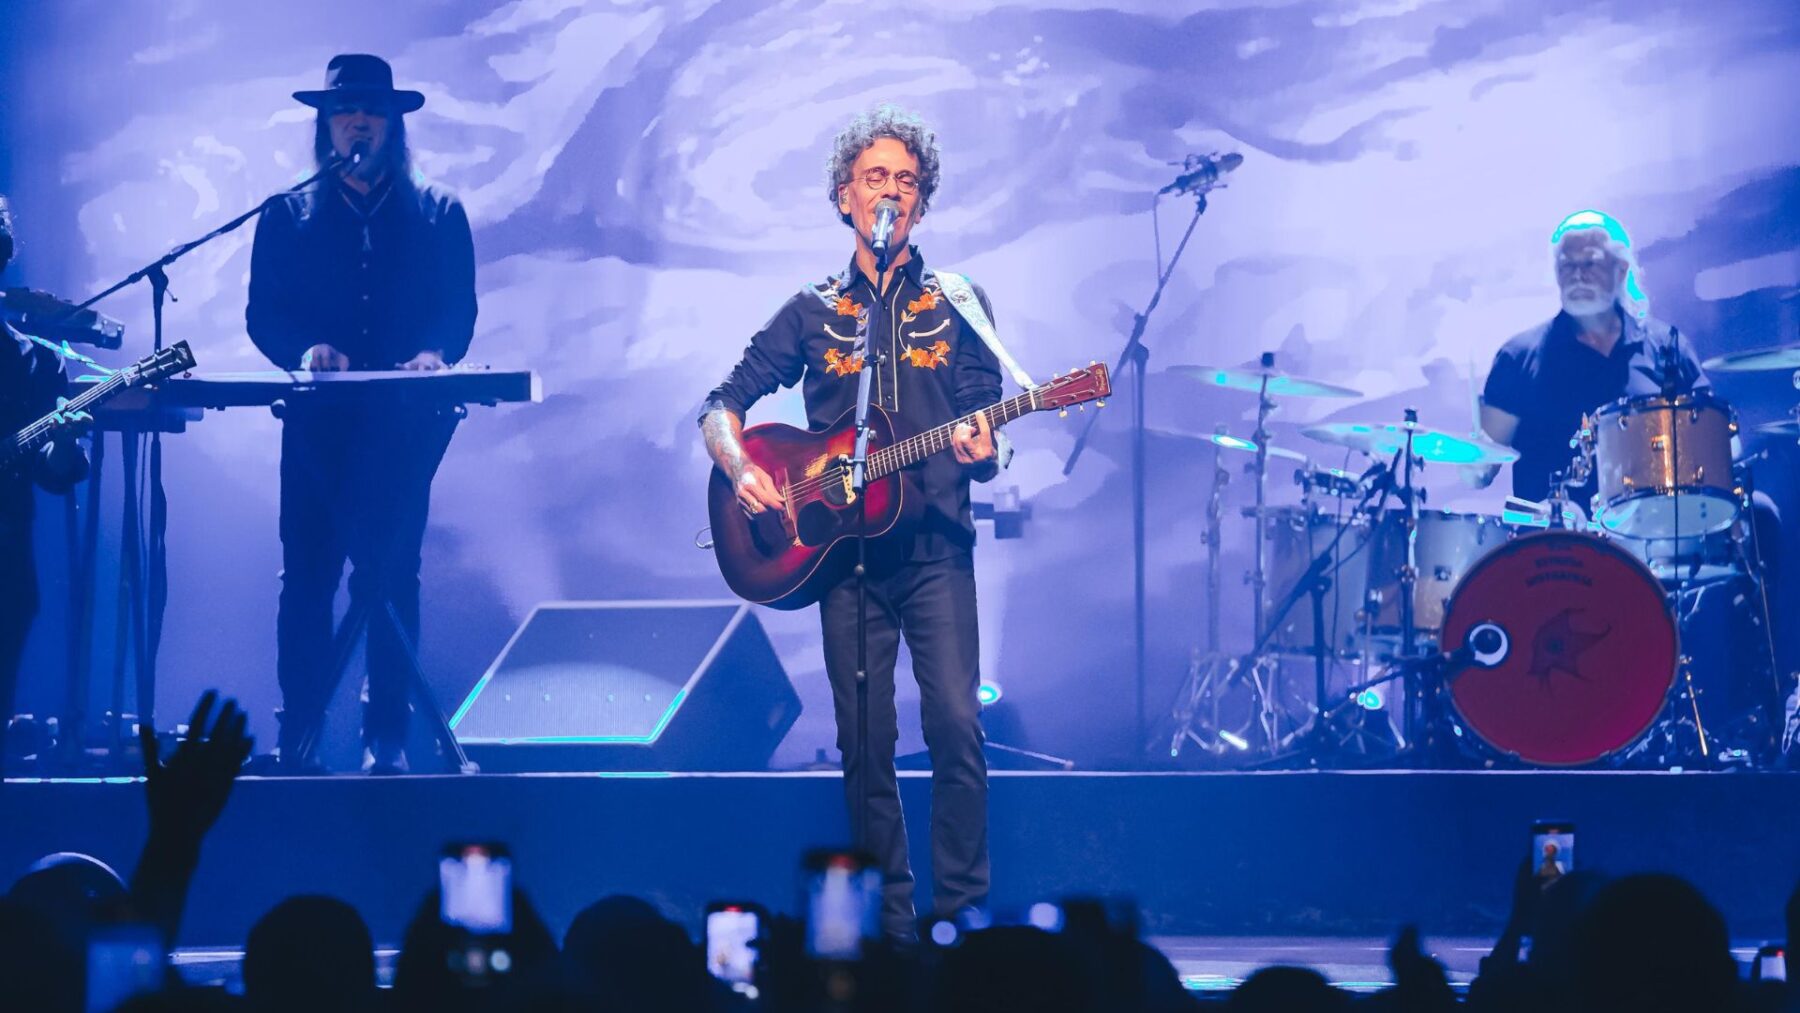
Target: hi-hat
[
  {"x": 1755, "y": 360},
  {"x": 1428, "y": 444},
  {"x": 1251, "y": 378},
  {"x": 1249, "y": 446}
]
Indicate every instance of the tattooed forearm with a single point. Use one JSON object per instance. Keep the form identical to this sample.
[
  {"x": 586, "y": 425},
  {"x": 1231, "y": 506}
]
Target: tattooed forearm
[{"x": 721, "y": 429}]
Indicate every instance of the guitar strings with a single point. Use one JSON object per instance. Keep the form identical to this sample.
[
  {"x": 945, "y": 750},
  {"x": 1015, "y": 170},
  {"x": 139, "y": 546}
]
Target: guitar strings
[{"x": 931, "y": 441}]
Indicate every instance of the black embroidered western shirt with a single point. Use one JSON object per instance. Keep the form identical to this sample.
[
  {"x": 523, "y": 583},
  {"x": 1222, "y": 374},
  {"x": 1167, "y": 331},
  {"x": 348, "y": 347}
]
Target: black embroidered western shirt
[{"x": 933, "y": 368}]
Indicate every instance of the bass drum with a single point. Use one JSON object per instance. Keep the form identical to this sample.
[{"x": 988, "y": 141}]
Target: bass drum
[{"x": 1589, "y": 651}]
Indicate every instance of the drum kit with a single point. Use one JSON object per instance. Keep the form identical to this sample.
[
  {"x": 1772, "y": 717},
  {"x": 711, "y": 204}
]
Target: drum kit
[{"x": 1534, "y": 638}]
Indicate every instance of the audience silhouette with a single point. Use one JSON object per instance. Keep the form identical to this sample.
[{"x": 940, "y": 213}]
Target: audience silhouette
[{"x": 1645, "y": 943}]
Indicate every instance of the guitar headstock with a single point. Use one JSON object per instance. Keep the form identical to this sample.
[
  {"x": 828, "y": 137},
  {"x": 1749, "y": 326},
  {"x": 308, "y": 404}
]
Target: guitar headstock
[
  {"x": 1073, "y": 388},
  {"x": 176, "y": 358}
]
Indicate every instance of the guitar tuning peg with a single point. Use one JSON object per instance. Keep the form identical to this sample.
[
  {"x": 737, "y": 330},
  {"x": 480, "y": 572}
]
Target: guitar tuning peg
[
  {"x": 1062, "y": 413},
  {"x": 1055, "y": 376},
  {"x": 1093, "y": 362},
  {"x": 1081, "y": 408},
  {"x": 1100, "y": 403}
]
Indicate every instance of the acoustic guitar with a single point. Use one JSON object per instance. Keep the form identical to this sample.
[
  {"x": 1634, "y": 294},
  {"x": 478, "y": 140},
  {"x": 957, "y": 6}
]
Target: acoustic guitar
[{"x": 786, "y": 559}]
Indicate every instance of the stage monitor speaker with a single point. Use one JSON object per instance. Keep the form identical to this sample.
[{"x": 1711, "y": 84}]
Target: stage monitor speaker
[{"x": 630, "y": 685}]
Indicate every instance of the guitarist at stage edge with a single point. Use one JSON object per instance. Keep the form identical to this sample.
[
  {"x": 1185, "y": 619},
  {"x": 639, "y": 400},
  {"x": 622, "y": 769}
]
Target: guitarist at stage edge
[
  {"x": 31, "y": 380},
  {"x": 931, "y": 367}
]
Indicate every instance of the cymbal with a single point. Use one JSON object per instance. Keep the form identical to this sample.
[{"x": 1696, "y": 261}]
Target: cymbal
[
  {"x": 1251, "y": 378},
  {"x": 1428, "y": 444},
  {"x": 1786, "y": 427},
  {"x": 1249, "y": 447},
  {"x": 1755, "y": 360}
]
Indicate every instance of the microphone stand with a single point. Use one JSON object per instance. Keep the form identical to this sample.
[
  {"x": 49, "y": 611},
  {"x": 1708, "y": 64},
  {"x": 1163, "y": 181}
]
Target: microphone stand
[
  {"x": 859, "y": 484},
  {"x": 1136, "y": 355},
  {"x": 146, "y": 557}
]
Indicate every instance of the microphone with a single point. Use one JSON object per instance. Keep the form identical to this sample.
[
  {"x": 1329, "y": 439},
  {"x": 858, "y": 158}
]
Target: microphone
[
  {"x": 358, "y": 152},
  {"x": 887, "y": 211},
  {"x": 1487, "y": 645},
  {"x": 1201, "y": 173}
]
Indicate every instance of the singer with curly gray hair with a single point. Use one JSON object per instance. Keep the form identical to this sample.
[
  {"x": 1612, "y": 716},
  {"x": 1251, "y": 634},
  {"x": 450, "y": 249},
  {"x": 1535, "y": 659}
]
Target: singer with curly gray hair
[{"x": 915, "y": 334}]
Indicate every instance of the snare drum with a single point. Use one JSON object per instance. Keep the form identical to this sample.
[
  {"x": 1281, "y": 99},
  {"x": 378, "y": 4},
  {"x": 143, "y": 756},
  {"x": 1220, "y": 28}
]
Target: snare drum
[
  {"x": 1695, "y": 559},
  {"x": 1585, "y": 655},
  {"x": 1644, "y": 490}
]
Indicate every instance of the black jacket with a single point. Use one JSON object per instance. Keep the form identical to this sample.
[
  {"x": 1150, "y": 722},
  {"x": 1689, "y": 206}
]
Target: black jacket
[{"x": 380, "y": 278}]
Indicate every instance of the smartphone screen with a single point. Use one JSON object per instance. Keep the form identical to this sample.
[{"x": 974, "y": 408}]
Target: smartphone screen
[
  {"x": 476, "y": 883},
  {"x": 123, "y": 960},
  {"x": 731, "y": 933},
  {"x": 843, "y": 903},
  {"x": 1771, "y": 964},
  {"x": 1552, "y": 850}
]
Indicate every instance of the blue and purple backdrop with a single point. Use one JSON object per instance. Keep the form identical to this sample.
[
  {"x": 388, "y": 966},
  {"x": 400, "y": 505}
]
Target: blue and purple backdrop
[{"x": 645, "y": 183}]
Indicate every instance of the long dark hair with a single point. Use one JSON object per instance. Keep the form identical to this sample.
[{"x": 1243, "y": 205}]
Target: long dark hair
[
  {"x": 399, "y": 156},
  {"x": 6, "y": 232}
]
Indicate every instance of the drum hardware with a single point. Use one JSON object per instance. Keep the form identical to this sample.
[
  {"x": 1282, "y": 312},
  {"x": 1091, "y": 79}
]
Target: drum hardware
[
  {"x": 1210, "y": 676},
  {"x": 1198, "y": 712},
  {"x": 1315, "y": 743}
]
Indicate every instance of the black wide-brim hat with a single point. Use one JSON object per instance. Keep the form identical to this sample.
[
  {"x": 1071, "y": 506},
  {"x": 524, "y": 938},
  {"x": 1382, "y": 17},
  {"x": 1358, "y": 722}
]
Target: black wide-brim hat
[{"x": 359, "y": 77}]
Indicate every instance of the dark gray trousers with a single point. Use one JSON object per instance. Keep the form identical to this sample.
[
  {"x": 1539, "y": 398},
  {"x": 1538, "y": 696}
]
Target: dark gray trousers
[{"x": 932, "y": 605}]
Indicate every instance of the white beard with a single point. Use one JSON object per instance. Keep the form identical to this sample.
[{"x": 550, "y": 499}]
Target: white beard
[{"x": 1586, "y": 307}]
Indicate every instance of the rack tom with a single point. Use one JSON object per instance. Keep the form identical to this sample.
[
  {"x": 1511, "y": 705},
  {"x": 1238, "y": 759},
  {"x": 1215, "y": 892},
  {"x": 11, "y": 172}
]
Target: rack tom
[{"x": 1663, "y": 466}]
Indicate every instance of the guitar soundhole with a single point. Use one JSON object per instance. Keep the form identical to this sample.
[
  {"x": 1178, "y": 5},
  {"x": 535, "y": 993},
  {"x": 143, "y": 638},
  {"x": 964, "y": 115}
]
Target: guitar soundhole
[{"x": 816, "y": 523}]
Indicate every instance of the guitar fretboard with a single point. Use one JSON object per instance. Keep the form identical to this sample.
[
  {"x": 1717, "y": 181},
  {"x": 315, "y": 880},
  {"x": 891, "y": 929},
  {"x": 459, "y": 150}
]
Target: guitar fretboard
[
  {"x": 913, "y": 449},
  {"x": 32, "y": 435}
]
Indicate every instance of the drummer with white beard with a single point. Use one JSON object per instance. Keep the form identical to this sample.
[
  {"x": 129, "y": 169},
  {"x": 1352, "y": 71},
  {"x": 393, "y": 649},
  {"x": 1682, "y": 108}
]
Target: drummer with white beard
[{"x": 1603, "y": 346}]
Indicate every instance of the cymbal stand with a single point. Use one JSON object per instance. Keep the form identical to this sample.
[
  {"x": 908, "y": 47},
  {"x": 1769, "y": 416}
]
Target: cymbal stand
[
  {"x": 1259, "y": 574},
  {"x": 1315, "y": 743},
  {"x": 1423, "y": 725},
  {"x": 1197, "y": 715}
]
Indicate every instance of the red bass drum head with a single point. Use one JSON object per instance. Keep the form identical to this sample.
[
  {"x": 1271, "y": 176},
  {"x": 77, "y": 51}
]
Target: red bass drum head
[{"x": 1592, "y": 648}]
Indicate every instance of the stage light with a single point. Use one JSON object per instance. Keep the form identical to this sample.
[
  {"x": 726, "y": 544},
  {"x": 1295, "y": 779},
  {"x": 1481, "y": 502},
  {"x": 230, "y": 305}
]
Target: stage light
[
  {"x": 1370, "y": 699},
  {"x": 988, "y": 693},
  {"x": 1234, "y": 740},
  {"x": 944, "y": 933},
  {"x": 1045, "y": 915}
]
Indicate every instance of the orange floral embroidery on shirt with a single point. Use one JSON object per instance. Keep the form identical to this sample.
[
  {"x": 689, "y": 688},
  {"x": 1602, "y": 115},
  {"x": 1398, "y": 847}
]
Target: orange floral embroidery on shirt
[
  {"x": 928, "y": 300},
  {"x": 840, "y": 364},
  {"x": 929, "y": 358},
  {"x": 847, "y": 307}
]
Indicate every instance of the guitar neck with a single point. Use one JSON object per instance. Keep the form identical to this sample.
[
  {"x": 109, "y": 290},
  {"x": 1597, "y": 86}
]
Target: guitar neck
[
  {"x": 913, "y": 449},
  {"x": 40, "y": 432}
]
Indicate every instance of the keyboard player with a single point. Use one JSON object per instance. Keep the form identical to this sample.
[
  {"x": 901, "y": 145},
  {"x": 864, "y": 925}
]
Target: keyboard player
[{"x": 367, "y": 269}]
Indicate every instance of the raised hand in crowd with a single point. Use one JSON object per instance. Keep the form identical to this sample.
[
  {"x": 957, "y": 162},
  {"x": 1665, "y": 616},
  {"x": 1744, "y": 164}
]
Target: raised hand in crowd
[
  {"x": 185, "y": 795},
  {"x": 1420, "y": 984}
]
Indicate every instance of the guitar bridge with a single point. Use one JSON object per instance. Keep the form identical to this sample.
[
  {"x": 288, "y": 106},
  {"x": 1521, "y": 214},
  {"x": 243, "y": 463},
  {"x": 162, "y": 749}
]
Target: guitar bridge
[{"x": 838, "y": 490}]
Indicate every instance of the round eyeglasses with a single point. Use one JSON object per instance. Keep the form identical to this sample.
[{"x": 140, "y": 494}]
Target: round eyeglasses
[{"x": 877, "y": 178}]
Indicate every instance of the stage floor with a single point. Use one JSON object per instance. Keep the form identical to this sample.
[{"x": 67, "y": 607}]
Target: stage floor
[
  {"x": 1209, "y": 966},
  {"x": 1260, "y": 856}
]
